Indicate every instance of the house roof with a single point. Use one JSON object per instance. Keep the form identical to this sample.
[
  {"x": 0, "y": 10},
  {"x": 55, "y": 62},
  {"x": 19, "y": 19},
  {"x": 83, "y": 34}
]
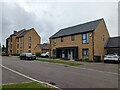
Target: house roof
[
  {"x": 22, "y": 34},
  {"x": 81, "y": 28},
  {"x": 113, "y": 42},
  {"x": 16, "y": 33},
  {"x": 44, "y": 46}
]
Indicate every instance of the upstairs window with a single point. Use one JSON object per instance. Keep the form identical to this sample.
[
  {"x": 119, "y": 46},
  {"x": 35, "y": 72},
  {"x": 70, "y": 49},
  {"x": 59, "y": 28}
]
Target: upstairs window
[
  {"x": 72, "y": 38},
  {"x": 29, "y": 45},
  {"x": 85, "y": 38},
  {"x": 61, "y": 39},
  {"x": 54, "y": 42},
  {"x": 29, "y": 38},
  {"x": 17, "y": 45},
  {"x": 18, "y": 39},
  {"x": 21, "y": 39},
  {"x": 21, "y": 45}
]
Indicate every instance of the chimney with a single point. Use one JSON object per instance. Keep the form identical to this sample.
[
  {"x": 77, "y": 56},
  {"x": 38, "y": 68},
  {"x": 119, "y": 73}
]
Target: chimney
[{"x": 15, "y": 32}]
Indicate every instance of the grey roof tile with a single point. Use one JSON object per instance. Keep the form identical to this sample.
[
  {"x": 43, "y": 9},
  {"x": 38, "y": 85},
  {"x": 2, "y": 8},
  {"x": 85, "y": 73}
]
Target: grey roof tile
[
  {"x": 44, "y": 46},
  {"x": 113, "y": 42},
  {"x": 81, "y": 28},
  {"x": 22, "y": 34}
]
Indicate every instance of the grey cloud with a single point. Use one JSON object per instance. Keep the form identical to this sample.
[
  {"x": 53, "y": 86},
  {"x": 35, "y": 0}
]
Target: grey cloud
[{"x": 55, "y": 16}]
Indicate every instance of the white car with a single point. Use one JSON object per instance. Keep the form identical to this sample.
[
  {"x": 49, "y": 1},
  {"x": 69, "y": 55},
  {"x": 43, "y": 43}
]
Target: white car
[
  {"x": 24, "y": 56},
  {"x": 112, "y": 57},
  {"x": 45, "y": 54}
]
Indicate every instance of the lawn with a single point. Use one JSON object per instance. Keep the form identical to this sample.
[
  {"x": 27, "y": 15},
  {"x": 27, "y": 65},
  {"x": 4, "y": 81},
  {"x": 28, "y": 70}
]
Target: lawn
[
  {"x": 24, "y": 86},
  {"x": 60, "y": 62}
]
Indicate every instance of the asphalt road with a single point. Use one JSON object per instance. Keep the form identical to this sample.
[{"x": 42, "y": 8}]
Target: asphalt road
[
  {"x": 64, "y": 77},
  {"x": 12, "y": 78}
]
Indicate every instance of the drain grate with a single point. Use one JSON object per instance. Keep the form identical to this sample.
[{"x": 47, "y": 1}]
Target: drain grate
[
  {"x": 52, "y": 83},
  {"x": 66, "y": 66}
]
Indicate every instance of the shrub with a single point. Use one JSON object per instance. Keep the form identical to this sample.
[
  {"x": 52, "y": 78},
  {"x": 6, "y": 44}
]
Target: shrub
[
  {"x": 38, "y": 54},
  {"x": 78, "y": 59},
  {"x": 15, "y": 54},
  {"x": 5, "y": 54},
  {"x": 52, "y": 57}
]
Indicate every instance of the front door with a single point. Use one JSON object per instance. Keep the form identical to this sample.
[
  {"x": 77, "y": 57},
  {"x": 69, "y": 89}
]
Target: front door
[{"x": 70, "y": 54}]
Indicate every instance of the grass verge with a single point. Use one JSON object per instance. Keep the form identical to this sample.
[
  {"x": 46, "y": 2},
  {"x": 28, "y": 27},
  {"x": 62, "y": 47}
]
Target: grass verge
[
  {"x": 24, "y": 86},
  {"x": 59, "y": 62}
]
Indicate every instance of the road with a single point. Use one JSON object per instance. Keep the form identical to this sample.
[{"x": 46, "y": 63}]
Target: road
[{"x": 64, "y": 77}]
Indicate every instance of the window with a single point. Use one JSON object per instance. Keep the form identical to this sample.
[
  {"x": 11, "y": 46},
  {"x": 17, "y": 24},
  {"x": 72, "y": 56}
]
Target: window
[
  {"x": 20, "y": 51},
  {"x": 85, "y": 53},
  {"x": 21, "y": 39},
  {"x": 61, "y": 39},
  {"x": 54, "y": 42},
  {"x": 21, "y": 45},
  {"x": 11, "y": 45},
  {"x": 18, "y": 40},
  {"x": 17, "y": 51},
  {"x": 29, "y": 38},
  {"x": 54, "y": 53},
  {"x": 84, "y": 38},
  {"x": 29, "y": 45},
  {"x": 29, "y": 51},
  {"x": 72, "y": 38},
  {"x": 11, "y": 39},
  {"x": 17, "y": 45}
]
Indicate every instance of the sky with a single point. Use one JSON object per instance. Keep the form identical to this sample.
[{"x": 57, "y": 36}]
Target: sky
[{"x": 49, "y": 17}]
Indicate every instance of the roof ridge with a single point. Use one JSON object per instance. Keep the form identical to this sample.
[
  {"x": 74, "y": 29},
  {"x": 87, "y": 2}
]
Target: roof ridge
[
  {"x": 83, "y": 23},
  {"x": 80, "y": 28}
]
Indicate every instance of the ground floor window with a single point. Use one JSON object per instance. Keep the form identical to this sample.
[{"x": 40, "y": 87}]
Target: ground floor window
[
  {"x": 85, "y": 53},
  {"x": 54, "y": 53},
  {"x": 29, "y": 51},
  {"x": 20, "y": 51},
  {"x": 17, "y": 51}
]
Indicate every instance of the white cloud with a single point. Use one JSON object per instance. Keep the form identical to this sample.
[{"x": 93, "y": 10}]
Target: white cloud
[{"x": 48, "y": 17}]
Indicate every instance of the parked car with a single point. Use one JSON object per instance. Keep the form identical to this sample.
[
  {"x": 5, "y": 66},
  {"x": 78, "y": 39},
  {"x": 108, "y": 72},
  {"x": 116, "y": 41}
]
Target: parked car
[
  {"x": 112, "y": 58},
  {"x": 5, "y": 54},
  {"x": 25, "y": 56},
  {"x": 45, "y": 54}
]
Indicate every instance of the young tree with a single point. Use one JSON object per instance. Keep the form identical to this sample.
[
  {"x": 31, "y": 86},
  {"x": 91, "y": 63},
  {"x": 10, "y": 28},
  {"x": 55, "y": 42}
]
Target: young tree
[{"x": 3, "y": 48}]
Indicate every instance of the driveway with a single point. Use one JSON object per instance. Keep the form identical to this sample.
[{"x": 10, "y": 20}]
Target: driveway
[{"x": 65, "y": 77}]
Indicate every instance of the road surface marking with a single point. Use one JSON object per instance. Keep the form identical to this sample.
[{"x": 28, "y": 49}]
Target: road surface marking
[{"x": 28, "y": 77}]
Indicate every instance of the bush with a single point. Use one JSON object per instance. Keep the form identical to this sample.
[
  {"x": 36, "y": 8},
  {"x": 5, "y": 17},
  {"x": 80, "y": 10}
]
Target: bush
[
  {"x": 5, "y": 54},
  {"x": 78, "y": 59},
  {"x": 52, "y": 57},
  {"x": 15, "y": 54},
  {"x": 38, "y": 54}
]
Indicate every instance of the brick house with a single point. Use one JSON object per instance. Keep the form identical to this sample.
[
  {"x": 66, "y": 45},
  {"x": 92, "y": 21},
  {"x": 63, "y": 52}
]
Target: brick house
[
  {"x": 23, "y": 41},
  {"x": 85, "y": 40},
  {"x": 113, "y": 45},
  {"x": 42, "y": 48}
]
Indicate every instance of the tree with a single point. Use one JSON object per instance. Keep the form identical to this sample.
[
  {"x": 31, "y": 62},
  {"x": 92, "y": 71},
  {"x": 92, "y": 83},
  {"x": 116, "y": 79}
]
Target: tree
[{"x": 3, "y": 48}]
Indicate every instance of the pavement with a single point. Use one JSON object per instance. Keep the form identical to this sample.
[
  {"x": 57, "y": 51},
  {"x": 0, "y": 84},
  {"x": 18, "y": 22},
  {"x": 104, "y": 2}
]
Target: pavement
[{"x": 89, "y": 75}]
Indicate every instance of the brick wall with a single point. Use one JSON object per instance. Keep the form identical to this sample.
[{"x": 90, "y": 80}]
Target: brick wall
[{"x": 100, "y": 33}]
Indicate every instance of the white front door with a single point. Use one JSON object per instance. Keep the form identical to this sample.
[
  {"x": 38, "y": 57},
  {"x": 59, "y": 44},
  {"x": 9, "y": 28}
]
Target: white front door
[{"x": 70, "y": 54}]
